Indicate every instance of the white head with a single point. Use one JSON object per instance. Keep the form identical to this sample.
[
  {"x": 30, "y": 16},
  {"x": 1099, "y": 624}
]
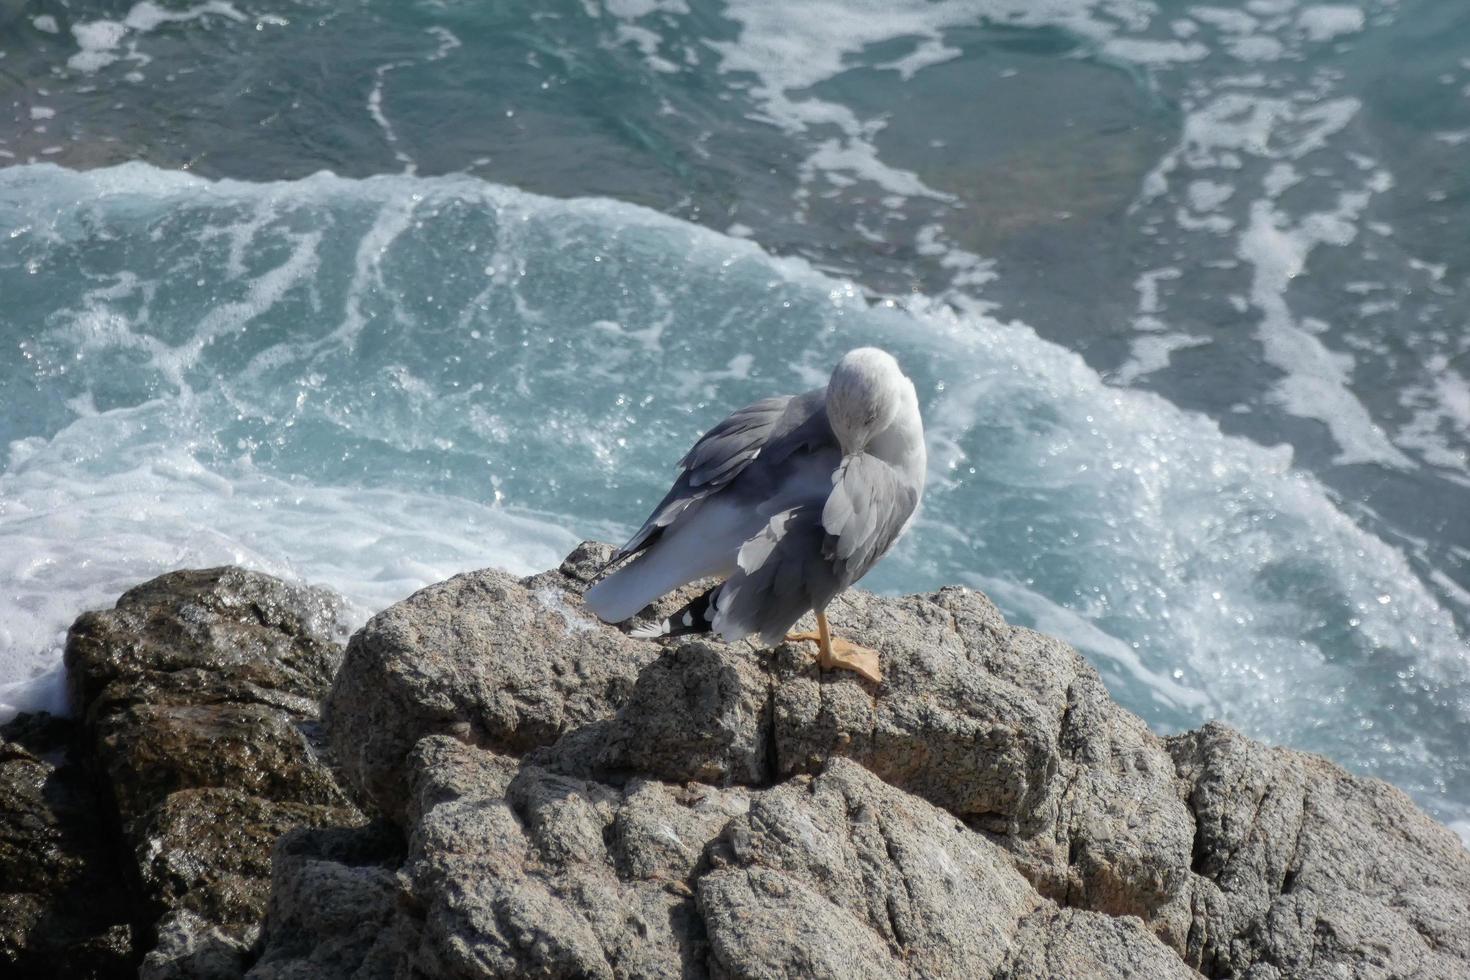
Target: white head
[{"x": 865, "y": 395}]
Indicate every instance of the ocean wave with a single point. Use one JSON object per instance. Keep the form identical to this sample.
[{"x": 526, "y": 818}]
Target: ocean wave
[{"x": 375, "y": 383}]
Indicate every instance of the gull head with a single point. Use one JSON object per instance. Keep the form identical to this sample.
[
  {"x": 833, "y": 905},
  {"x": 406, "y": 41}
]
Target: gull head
[{"x": 865, "y": 395}]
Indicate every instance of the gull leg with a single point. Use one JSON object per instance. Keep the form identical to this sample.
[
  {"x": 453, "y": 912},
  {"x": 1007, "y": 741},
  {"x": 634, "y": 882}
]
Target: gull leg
[{"x": 833, "y": 652}]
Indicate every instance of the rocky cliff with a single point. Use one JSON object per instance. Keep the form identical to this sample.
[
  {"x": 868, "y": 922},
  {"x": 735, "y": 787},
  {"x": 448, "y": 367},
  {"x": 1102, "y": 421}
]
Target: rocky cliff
[{"x": 526, "y": 792}]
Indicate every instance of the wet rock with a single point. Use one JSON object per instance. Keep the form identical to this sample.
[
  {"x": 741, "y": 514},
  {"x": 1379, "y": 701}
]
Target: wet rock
[
  {"x": 191, "y": 947},
  {"x": 207, "y": 851},
  {"x": 580, "y": 803},
  {"x": 63, "y": 900},
  {"x": 197, "y": 701}
]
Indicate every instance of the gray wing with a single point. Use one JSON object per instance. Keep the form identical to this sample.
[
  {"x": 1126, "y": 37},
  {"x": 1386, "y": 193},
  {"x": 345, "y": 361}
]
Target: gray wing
[
  {"x": 808, "y": 554},
  {"x": 780, "y": 576},
  {"x": 868, "y": 508},
  {"x": 773, "y": 428}
]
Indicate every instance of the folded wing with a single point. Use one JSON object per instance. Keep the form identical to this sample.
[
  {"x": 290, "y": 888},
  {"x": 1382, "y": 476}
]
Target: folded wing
[{"x": 807, "y": 554}]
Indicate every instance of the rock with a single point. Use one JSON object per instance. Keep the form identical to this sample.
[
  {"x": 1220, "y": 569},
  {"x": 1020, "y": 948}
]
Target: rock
[
  {"x": 1314, "y": 871},
  {"x": 508, "y": 664},
  {"x": 578, "y": 803},
  {"x": 555, "y": 798},
  {"x": 63, "y": 904},
  {"x": 1058, "y": 944},
  {"x": 191, "y": 947},
  {"x": 518, "y": 871},
  {"x": 844, "y": 876},
  {"x": 333, "y": 905},
  {"x": 197, "y": 699},
  {"x": 697, "y": 714},
  {"x": 207, "y": 851}
]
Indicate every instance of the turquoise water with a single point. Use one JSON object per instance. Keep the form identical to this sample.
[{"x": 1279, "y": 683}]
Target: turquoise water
[{"x": 1182, "y": 289}]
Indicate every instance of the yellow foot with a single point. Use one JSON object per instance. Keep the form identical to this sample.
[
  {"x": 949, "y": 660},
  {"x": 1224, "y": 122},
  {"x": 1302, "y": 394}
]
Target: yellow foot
[
  {"x": 850, "y": 656},
  {"x": 842, "y": 654}
]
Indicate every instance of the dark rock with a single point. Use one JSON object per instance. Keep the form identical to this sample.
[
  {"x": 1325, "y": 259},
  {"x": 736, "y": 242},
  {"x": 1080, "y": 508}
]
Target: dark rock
[
  {"x": 207, "y": 851},
  {"x": 243, "y": 626},
  {"x": 192, "y": 947},
  {"x": 197, "y": 700},
  {"x": 333, "y": 904},
  {"x": 63, "y": 902}
]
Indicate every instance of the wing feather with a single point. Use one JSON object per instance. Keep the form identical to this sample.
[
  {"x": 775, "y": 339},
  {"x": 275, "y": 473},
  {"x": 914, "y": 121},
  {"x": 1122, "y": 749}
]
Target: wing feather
[
  {"x": 769, "y": 430},
  {"x": 865, "y": 513},
  {"x": 716, "y": 459},
  {"x": 780, "y": 576}
]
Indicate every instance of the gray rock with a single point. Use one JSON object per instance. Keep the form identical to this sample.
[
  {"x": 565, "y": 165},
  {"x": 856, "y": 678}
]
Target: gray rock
[
  {"x": 1063, "y": 944},
  {"x": 1316, "y": 872},
  {"x": 507, "y": 664},
  {"x": 842, "y": 875},
  {"x": 696, "y": 713},
  {"x": 578, "y": 803},
  {"x": 197, "y": 699}
]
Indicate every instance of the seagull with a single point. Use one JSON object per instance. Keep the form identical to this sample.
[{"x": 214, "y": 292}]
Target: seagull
[{"x": 789, "y": 501}]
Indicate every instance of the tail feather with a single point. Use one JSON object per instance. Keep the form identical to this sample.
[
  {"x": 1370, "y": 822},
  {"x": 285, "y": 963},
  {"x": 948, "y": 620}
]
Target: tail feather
[
  {"x": 620, "y": 595},
  {"x": 697, "y": 616},
  {"x": 704, "y": 544}
]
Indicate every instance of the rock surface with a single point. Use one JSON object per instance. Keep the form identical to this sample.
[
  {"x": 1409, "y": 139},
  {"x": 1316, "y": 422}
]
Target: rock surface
[
  {"x": 533, "y": 793},
  {"x": 197, "y": 699},
  {"x": 578, "y": 803}
]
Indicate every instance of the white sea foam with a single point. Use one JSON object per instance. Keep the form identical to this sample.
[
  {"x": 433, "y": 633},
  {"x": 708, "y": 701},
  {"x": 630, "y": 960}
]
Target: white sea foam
[
  {"x": 147, "y": 16},
  {"x": 1318, "y": 381},
  {"x": 1147, "y": 51},
  {"x": 1439, "y": 424},
  {"x": 787, "y": 49},
  {"x": 99, "y": 40},
  {"x": 1153, "y": 352},
  {"x": 447, "y": 43},
  {"x": 1324, "y": 22},
  {"x": 115, "y": 499},
  {"x": 1241, "y": 152}
]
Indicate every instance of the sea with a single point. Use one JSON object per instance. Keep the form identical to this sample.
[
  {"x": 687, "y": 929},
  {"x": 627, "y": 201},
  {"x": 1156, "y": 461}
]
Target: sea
[{"x": 369, "y": 293}]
